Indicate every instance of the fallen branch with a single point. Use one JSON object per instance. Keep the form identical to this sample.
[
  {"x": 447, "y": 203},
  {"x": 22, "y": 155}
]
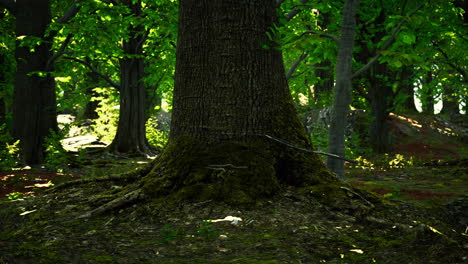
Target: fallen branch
[
  {"x": 358, "y": 195},
  {"x": 310, "y": 151}
]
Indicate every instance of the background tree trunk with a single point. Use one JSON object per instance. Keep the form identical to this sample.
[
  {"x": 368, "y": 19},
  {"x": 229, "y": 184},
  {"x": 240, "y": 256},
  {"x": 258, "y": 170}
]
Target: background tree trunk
[
  {"x": 2, "y": 90},
  {"x": 450, "y": 102},
  {"x": 427, "y": 94},
  {"x": 342, "y": 92},
  {"x": 408, "y": 88},
  {"x": 131, "y": 132},
  {"x": 380, "y": 94},
  {"x": 34, "y": 101},
  {"x": 92, "y": 105},
  {"x": 324, "y": 73}
]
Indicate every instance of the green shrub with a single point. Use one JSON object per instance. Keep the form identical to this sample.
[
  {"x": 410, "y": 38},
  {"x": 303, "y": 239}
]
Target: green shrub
[
  {"x": 8, "y": 150},
  {"x": 155, "y": 136}
]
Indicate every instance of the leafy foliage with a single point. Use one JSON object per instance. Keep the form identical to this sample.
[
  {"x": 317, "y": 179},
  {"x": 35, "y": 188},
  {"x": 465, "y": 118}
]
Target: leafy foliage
[
  {"x": 8, "y": 150},
  {"x": 56, "y": 156},
  {"x": 105, "y": 126}
]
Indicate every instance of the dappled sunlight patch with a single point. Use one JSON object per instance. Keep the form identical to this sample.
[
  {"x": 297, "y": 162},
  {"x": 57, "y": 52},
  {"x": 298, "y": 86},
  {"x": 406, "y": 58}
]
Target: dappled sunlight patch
[
  {"x": 407, "y": 120},
  {"x": 29, "y": 181}
]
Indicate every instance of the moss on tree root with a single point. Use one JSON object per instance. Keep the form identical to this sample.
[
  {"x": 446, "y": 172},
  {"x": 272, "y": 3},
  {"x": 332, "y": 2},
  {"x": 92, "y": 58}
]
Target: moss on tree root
[{"x": 233, "y": 172}]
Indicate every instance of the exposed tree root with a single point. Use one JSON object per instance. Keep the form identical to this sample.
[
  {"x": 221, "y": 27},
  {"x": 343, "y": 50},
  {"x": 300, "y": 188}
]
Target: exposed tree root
[
  {"x": 133, "y": 195},
  {"x": 131, "y": 175}
]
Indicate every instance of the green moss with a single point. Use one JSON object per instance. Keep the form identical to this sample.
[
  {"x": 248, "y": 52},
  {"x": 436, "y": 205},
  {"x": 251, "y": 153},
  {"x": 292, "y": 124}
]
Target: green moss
[{"x": 234, "y": 172}]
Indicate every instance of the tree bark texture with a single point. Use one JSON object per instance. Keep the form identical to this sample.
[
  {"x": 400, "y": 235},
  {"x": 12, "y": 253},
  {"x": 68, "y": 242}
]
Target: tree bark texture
[
  {"x": 342, "y": 92},
  {"x": 131, "y": 133},
  {"x": 380, "y": 94},
  {"x": 229, "y": 93},
  {"x": 34, "y": 101},
  {"x": 227, "y": 87}
]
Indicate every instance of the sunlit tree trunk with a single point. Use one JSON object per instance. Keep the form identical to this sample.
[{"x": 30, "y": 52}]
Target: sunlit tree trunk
[{"x": 131, "y": 134}]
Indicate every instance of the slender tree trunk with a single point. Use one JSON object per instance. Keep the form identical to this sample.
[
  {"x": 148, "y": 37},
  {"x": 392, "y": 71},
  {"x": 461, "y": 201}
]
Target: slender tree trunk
[
  {"x": 450, "y": 102},
  {"x": 229, "y": 95},
  {"x": 34, "y": 101},
  {"x": 324, "y": 70},
  {"x": 408, "y": 89},
  {"x": 92, "y": 105},
  {"x": 342, "y": 92},
  {"x": 324, "y": 73},
  {"x": 131, "y": 133},
  {"x": 427, "y": 98}
]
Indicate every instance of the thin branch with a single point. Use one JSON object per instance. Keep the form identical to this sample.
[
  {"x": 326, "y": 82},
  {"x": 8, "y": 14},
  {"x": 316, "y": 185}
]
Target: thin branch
[
  {"x": 323, "y": 35},
  {"x": 103, "y": 76},
  {"x": 70, "y": 13},
  {"x": 294, "y": 11},
  {"x": 279, "y": 2},
  {"x": 389, "y": 41},
  {"x": 310, "y": 151},
  {"x": 293, "y": 68},
  {"x": 445, "y": 55},
  {"x": 10, "y": 5},
  {"x": 59, "y": 53}
]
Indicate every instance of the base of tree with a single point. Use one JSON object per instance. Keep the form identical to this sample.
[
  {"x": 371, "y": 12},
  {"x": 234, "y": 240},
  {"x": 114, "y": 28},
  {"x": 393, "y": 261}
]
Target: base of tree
[{"x": 232, "y": 172}]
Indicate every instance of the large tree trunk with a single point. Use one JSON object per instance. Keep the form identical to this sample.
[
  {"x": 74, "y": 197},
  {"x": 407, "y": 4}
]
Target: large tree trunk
[
  {"x": 229, "y": 94},
  {"x": 131, "y": 133},
  {"x": 34, "y": 101},
  {"x": 342, "y": 92}
]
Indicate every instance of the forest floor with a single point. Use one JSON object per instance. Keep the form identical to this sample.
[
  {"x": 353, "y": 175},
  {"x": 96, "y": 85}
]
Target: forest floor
[{"x": 416, "y": 212}]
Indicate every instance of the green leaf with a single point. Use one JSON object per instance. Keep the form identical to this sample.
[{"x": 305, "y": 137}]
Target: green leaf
[{"x": 408, "y": 38}]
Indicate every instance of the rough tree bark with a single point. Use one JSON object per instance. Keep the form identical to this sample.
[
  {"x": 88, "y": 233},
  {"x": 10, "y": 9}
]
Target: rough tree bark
[
  {"x": 131, "y": 133},
  {"x": 342, "y": 92},
  {"x": 34, "y": 106},
  {"x": 229, "y": 94}
]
